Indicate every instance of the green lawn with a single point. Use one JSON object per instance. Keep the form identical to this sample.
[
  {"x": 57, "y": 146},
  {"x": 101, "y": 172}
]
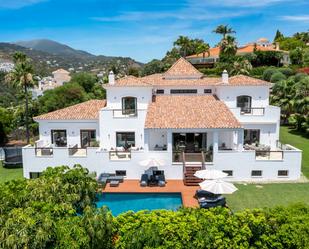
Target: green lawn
[
  {"x": 288, "y": 136},
  {"x": 9, "y": 174},
  {"x": 268, "y": 195}
]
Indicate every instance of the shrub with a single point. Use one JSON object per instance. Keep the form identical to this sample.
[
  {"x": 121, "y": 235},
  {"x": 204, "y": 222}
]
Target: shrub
[
  {"x": 257, "y": 72},
  {"x": 268, "y": 73},
  {"x": 300, "y": 76},
  {"x": 286, "y": 71},
  {"x": 276, "y": 77}
]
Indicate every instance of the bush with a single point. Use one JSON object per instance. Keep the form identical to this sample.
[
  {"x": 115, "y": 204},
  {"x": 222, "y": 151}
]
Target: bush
[
  {"x": 257, "y": 72},
  {"x": 276, "y": 77},
  {"x": 300, "y": 76},
  {"x": 268, "y": 73},
  {"x": 286, "y": 71},
  {"x": 211, "y": 71}
]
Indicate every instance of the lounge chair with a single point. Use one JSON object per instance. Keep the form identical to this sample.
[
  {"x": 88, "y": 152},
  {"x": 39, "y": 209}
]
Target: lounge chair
[
  {"x": 205, "y": 194},
  {"x": 103, "y": 178},
  {"x": 219, "y": 202},
  {"x": 161, "y": 180},
  {"x": 114, "y": 183},
  {"x": 144, "y": 180}
]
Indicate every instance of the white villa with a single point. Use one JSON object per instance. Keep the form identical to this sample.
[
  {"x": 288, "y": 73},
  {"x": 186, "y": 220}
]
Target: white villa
[{"x": 181, "y": 118}]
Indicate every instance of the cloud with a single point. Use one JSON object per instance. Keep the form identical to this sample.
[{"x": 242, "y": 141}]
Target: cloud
[
  {"x": 17, "y": 4},
  {"x": 193, "y": 15},
  {"x": 242, "y": 3},
  {"x": 299, "y": 18}
]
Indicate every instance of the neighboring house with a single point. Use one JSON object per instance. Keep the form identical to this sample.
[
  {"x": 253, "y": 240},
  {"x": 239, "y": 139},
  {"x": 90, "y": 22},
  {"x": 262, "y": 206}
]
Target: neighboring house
[
  {"x": 60, "y": 76},
  {"x": 180, "y": 117},
  {"x": 208, "y": 59},
  {"x": 6, "y": 66}
]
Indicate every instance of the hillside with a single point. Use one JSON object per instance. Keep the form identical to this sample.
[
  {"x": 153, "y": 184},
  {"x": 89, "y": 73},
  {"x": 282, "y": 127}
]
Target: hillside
[{"x": 63, "y": 56}]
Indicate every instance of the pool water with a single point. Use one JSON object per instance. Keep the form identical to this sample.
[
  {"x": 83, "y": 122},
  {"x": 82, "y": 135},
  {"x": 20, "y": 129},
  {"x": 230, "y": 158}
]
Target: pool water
[{"x": 121, "y": 202}]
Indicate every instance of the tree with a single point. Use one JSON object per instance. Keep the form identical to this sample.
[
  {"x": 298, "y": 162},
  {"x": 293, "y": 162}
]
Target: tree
[
  {"x": 241, "y": 66},
  {"x": 228, "y": 49},
  {"x": 278, "y": 36},
  {"x": 296, "y": 56},
  {"x": 21, "y": 76},
  {"x": 154, "y": 66},
  {"x": 133, "y": 71},
  {"x": 86, "y": 80},
  {"x": 224, "y": 30},
  {"x": 184, "y": 45}
]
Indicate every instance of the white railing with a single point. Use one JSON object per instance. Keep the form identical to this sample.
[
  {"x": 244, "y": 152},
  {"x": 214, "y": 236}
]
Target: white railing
[{"x": 259, "y": 114}]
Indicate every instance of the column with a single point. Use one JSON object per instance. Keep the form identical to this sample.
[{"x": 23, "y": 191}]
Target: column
[
  {"x": 146, "y": 139},
  {"x": 215, "y": 141},
  {"x": 240, "y": 139},
  {"x": 169, "y": 141}
]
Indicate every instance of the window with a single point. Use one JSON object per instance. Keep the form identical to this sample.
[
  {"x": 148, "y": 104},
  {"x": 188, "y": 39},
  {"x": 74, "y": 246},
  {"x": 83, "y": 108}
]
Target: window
[
  {"x": 244, "y": 102},
  {"x": 87, "y": 138},
  {"x": 34, "y": 175},
  {"x": 121, "y": 172},
  {"x": 129, "y": 106},
  {"x": 251, "y": 136},
  {"x": 256, "y": 173},
  {"x": 160, "y": 91},
  {"x": 283, "y": 173},
  {"x": 228, "y": 172},
  {"x": 125, "y": 139},
  {"x": 59, "y": 138},
  {"x": 207, "y": 91},
  {"x": 183, "y": 91}
]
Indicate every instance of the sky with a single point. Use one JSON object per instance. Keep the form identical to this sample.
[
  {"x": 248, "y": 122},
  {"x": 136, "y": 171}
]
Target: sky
[{"x": 143, "y": 29}]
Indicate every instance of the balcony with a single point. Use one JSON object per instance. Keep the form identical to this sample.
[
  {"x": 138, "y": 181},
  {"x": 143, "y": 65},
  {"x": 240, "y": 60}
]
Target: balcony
[
  {"x": 115, "y": 155},
  {"x": 269, "y": 114},
  {"x": 128, "y": 113}
]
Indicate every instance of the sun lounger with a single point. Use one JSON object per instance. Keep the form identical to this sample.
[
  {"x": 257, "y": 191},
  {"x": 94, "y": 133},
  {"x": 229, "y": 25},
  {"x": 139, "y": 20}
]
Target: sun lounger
[
  {"x": 161, "y": 180},
  {"x": 114, "y": 183},
  {"x": 219, "y": 202},
  {"x": 144, "y": 180}
]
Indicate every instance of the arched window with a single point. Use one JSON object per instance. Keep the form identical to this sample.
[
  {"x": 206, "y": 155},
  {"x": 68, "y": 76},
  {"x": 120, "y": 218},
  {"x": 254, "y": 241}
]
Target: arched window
[
  {"x": 129, "y": 105},
  {"x": 244, "y": 102}
]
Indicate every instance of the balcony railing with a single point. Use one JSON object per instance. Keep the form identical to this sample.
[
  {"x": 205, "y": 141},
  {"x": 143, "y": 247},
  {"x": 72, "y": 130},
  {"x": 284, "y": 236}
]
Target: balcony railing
[
  {"x": 254, "y": 111},
  {"x": 75, "y": 151},
  {"x": 119, "y": 155},
  {"x": 268, "y": 155},
  {"x": 41, "y": 152},
  {"x": 202, "y": 157},
  {"x": 121, "y": 113}
]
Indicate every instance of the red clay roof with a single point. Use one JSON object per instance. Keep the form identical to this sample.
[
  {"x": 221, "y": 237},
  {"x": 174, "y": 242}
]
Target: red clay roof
[
  {"x": 84, "y": 111},
  {"x": 243, "y": 80},
  {"x": 130, "y": 81},
  {"x": 197, "y": 111},
  {"x": 249, "y": 48},
  {"x": 182, "y": 69}
]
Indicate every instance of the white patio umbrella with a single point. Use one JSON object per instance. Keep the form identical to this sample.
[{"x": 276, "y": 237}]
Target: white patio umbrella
[
  {"x": 152, "y": 162},
  {"x": 218, "y": 186},
  {"x": 210, "y": 174}
]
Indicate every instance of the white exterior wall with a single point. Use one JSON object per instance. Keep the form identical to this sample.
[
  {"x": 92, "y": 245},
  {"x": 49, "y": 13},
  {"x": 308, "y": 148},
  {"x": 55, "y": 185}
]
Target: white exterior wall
[
  {"x": 228, "y": 94},
  {"x": 200, "y": 89},
  {"x": 72, "y": 127}
]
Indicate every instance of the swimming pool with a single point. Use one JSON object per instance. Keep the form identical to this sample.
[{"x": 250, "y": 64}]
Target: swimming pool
[{"x": 121, "y": 202}]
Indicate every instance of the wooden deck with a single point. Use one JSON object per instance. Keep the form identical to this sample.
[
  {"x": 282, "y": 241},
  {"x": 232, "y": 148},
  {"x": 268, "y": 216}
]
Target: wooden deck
[{"x": 172, "y": 186}]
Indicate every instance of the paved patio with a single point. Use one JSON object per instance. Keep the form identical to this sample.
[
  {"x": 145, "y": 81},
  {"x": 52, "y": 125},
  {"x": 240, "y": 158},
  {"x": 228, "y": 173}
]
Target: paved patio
[{"x": 172, "y": 186}]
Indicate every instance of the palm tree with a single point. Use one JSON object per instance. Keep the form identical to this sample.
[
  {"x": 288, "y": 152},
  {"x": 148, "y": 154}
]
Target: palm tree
[
  {"x": 21, "y": 76},
  {"x": 228, "y": 46},
  {"x": 184, "y": 43},
  {"x": 224, "y": 30},
  {"x": 203, "y": 48}
]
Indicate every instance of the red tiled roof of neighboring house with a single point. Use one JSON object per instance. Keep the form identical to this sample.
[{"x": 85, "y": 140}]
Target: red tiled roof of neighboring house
[
  {"x": 182, "y": 68},
  {"x": 197, "y": 111},
  {"x": 84, "y": 111},
  {"x": 249, "y": 48},
  {"x": 61, "y": 70}
]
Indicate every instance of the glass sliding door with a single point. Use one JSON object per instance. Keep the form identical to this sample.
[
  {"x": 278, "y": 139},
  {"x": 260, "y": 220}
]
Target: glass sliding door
[
  {"x": 244, "y": 102},
  {"x": 251, "y": 136},
  {"x": 129, "y": 106},
  {"x": 59, "y": 138},
  {"x": 87, "y": 138},
  {"x": 125, "y": 139}
]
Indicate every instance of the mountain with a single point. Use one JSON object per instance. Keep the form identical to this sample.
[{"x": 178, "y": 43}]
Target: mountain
[
  {"x": 53, "y": 47},
  {"x": 48, "y": 55}
]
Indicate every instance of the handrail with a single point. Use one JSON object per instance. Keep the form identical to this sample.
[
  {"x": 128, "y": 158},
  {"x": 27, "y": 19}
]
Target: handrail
[
  {"x": 269, "y": 155},
  {"x": 203, "y": 160},
  {"x": 251, "y": 111},
  {"x": 125, "y": 113},
  {"x": 43, "y": 151}
]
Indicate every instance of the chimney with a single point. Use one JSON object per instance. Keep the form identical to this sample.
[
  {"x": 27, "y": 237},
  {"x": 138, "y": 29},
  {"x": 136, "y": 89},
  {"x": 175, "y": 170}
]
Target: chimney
[
  {"x": 111, "y": 78},
  {"x": 225, "y": 77}
]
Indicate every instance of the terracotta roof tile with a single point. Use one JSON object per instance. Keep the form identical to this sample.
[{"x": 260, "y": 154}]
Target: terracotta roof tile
[
  {"x": 182, "y": 69},
  {"x": 243, "y": 80},
  {"x": 84, "y": 111},
  {"x": 174, "y": 111},
  {"x": 130, "y": 81}
]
